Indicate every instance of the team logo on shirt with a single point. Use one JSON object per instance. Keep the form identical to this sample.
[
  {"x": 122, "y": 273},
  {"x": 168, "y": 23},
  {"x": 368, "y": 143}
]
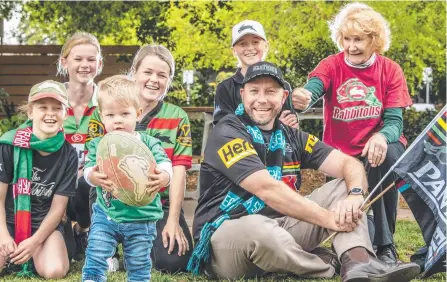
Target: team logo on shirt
[
  {"x": 234, "y": 151},
  {"x": 185, "y": 136},
  {"x": 77, "y": 138},
  {"x": 291, "y": 181},
  {"x": 353, "y": 90},
  {"x": 311, "y": 141},
  {"x": 95, "y": 129}
]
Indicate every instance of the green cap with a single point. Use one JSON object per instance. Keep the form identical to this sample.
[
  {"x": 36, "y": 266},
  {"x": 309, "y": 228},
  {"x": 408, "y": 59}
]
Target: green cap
[{"x": 49, "y": 89}]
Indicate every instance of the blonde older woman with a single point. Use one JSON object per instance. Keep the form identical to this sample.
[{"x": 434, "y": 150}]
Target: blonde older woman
[{"x": 364, "y": 93}]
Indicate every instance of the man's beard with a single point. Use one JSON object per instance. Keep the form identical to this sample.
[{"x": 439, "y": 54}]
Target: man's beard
[{"x": 264, "y": 121}]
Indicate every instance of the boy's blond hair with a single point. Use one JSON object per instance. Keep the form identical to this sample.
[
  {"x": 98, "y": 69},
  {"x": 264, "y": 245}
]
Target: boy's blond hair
[
  {"x": 120, "y": 89},
  {"x": 359, "y": 17}
]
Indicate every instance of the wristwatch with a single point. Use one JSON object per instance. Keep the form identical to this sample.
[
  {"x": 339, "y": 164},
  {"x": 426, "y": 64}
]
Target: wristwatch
[{"x": 356, "y": 191}]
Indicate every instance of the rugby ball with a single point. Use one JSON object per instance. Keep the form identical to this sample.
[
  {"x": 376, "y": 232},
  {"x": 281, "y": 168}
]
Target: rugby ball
[{"x": 127, "y": 161}]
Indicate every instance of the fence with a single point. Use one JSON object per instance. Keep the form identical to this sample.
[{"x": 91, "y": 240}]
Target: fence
[{"x": 22, "y": 66}]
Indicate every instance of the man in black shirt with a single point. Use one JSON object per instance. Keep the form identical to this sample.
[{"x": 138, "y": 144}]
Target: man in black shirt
[{"x": 250, "y": 219}]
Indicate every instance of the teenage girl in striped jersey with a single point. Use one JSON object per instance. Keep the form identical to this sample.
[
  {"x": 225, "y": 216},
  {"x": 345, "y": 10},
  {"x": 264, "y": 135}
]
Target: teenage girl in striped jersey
[
  {"x": 81, "y": 61},
  {"x": 153, "y": 69}
]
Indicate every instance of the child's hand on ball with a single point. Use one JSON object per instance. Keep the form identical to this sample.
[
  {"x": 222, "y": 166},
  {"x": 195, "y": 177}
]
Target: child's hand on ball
[
  {"x": 158, "y": 180},
  {"x": 101, "y": 180}
]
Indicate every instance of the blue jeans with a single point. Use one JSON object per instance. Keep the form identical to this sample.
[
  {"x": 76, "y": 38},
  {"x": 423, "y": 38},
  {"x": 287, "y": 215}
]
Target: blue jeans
[{"x": 103, "y": 238}]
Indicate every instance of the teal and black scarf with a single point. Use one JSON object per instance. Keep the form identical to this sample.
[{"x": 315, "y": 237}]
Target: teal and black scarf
[{"x": 239, "y": 202}]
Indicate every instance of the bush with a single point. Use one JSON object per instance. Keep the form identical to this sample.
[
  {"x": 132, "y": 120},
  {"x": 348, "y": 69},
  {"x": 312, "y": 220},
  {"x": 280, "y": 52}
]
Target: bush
[
  {"x": 11, "y": 121},
  {"x": 415, "y": 122}
]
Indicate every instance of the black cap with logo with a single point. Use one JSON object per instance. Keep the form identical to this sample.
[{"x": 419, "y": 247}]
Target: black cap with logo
[{"x": 264, "y": 69}]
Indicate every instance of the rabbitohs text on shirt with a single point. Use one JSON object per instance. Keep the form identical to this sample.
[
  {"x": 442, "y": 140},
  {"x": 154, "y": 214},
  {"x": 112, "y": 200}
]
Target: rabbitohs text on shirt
[{"x": 355, "y": 100}]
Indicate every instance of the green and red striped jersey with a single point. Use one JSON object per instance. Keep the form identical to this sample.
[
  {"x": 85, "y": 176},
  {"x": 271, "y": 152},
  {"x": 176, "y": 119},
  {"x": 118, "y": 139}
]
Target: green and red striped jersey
[
  {"x": 166, "y": 122},
  {"x": 76, "y": 134}
]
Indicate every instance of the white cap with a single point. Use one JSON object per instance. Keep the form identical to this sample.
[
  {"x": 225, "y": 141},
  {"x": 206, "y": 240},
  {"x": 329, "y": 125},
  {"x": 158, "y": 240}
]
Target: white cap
[{"x": 247, "y": 27}]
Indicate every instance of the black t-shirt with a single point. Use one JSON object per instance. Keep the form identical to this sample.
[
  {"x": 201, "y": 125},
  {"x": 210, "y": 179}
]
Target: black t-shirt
[
  {"x": 52, "y": 174},
  {"x": 228, "y": 96},
  {"x": 228, "y": 161}
]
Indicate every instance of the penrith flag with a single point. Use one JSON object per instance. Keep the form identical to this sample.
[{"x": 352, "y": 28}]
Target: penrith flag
[{"x": 423, "y": 168}]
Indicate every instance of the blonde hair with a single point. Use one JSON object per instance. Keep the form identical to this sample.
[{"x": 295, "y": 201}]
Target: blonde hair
[
  {"x": 25, "y": 108},
  {"x": 154, "y": 50},
  {"x": 77, "y": 39},
  {"x": 361, "y": 18},
  {"x": 119, "y": 88}
]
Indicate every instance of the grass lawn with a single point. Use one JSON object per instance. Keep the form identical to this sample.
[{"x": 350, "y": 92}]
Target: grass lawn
[{"x": 408, "y": 239}]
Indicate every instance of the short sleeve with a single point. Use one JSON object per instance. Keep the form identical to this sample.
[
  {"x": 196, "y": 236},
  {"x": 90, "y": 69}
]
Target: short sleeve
[
  {"x": 313, "y": 151},
  {"x": 90, "y": 158},
  {"x": 229, "y": 150},
  {"x": 183, "y": 144},
  {"x": 6, "y": 163},
  {"x": 95, "y": 127},
  {"x": 396, "y": 95},
  {"x": 222, "y": 102},
  {"x": 67, "y": 186},
  {"x": 157, "y": 150},
  {"x": 324, "y": 72}
]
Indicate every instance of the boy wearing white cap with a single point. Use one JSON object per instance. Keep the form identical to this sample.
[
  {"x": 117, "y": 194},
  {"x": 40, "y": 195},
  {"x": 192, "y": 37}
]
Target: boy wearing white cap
[{"x": 249, "y": 46}]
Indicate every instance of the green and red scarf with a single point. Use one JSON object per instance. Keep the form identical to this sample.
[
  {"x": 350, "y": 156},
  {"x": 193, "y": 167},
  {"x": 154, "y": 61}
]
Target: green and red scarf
[{"x": 24, "y": 143}]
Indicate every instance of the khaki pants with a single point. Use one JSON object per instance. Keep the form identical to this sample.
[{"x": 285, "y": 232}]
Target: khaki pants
[{"x": 255, "y": 244}]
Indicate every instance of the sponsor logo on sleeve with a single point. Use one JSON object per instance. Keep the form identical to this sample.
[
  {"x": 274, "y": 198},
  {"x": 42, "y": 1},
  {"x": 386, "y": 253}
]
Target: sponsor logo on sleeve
[
  {"x": 95, "y": 129},
  {"x": 311, "y": 141},
  {"x": 185, "y": 136},
  {"x": 234, "y": 151}
]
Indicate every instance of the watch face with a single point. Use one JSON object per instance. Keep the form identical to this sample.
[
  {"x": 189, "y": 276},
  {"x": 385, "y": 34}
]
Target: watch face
[{"x": 357, "y": 191}]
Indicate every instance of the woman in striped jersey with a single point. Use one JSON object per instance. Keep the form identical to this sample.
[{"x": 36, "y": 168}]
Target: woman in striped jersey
[
  {"x": 81, "y": 61},
  {"x": 153, "y": 69}
]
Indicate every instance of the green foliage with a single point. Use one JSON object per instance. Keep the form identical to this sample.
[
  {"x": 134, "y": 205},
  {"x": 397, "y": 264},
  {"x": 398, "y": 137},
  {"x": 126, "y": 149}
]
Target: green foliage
[
  {"x": 6, "y": 8},
  {"x": 196, "y": 135},
  {"x": 10, "y": 121},
  {"x": 415, "y": 122},
  {"x": 417, "y": 29},
  {"x": 199, "y": 33},
  {"x": 8, "y": 124},
  {"x": 113, "y": 22}
]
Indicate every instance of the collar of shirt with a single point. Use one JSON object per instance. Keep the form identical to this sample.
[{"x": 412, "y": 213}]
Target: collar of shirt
[
  {"x": 238, "y": 77},
  {"x": 143, "y": 123}
]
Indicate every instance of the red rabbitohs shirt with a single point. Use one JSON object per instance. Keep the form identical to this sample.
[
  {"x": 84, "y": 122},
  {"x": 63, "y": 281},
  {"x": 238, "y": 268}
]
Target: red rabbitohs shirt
[{"x": 356, "y": 98}]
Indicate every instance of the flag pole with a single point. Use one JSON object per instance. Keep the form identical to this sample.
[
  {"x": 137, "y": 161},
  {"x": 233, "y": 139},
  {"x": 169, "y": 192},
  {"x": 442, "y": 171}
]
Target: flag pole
[
  {"x": 363, "y": 209},
  {"x": 420, "y": 136},
  {"x": 416, "y": 141}
]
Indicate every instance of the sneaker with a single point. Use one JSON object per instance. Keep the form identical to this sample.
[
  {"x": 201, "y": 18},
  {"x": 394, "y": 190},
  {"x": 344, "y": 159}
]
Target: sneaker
[
  {"x": 387, "y": 253},
  {"x": 81, "y": 244},
  {"x": 114, "y": 264}
]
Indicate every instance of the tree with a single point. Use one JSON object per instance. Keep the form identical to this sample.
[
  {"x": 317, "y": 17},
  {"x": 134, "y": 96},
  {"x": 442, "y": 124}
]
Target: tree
[
  {"x": 126, "y": 23},
  {"x": 199, "y": 32},
  {"x": 299, "y": 34}
]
